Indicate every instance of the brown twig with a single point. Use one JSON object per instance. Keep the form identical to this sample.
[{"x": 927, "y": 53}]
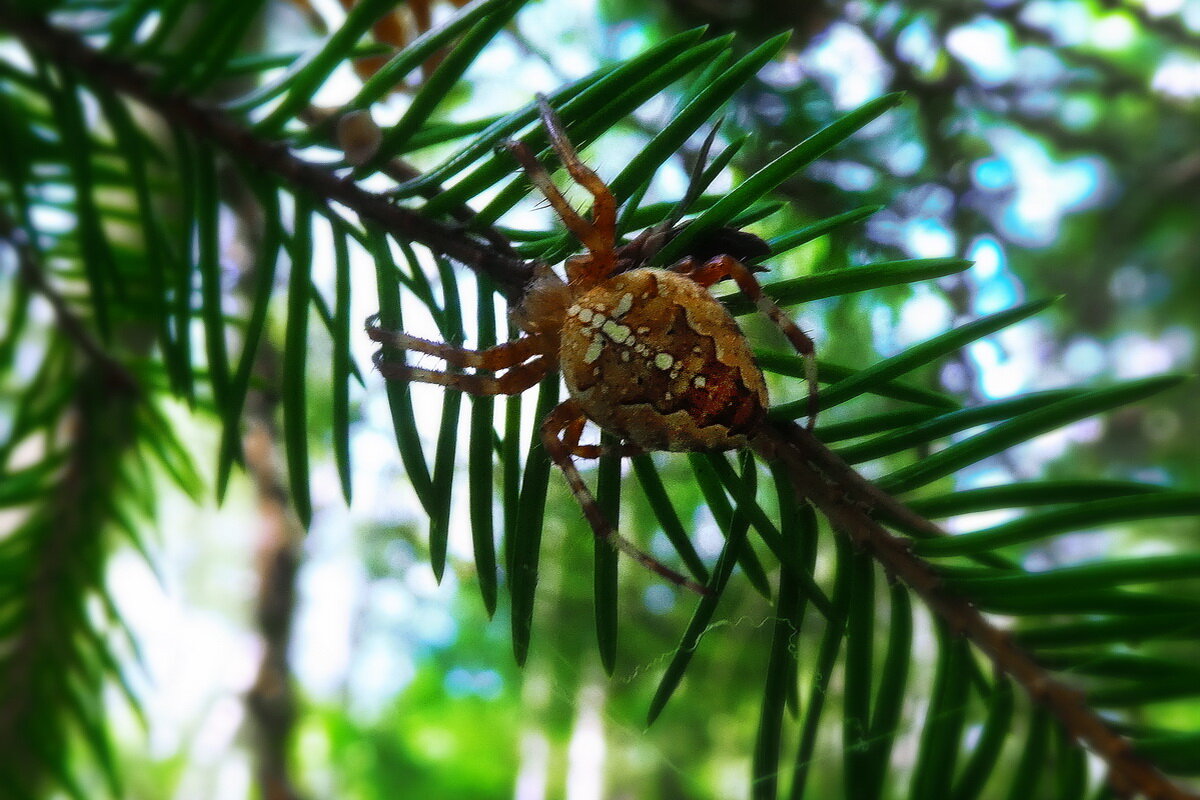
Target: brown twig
[
  {"x": 845, "y": 497},
  {"x": 849, "y": 501},
  {"x": 29, "y": 269},
  {"x": 401, "y": 171}
]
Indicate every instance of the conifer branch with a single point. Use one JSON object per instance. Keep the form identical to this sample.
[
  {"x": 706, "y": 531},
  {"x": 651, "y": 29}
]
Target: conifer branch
[
  {"x": 235, "y": 138},
  {"x": 851, "y": 503},
  {"x": 29, "y": 270}
]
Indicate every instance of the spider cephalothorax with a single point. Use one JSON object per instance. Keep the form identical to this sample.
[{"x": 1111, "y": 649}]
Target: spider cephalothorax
[{"x": 647, "y": 354}]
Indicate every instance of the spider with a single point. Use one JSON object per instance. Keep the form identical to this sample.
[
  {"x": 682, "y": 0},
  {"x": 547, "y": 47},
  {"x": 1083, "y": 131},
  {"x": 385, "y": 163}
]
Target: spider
[{"x": 647, "y": 354}]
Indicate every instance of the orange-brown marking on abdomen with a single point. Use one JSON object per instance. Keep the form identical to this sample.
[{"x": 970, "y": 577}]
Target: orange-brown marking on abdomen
[{"x": 648, "y": 344}]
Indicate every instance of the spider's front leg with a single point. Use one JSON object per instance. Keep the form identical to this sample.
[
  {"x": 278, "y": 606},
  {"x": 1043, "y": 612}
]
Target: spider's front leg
[
  {"x": 720, "y": 267},
  {"x": 525, "y": 361},
  {"x": 599, "y": 235},
  {"x": 604, "y": 205},
  {"x": 560, "y": 436}
]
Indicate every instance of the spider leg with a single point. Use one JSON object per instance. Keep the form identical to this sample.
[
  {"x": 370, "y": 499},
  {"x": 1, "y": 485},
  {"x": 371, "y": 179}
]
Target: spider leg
[
  {"x": 720, "y": 267},
  {"x": 604, "y": 205},
  {"x": 598, "y": 235},
  {"x": 503, "y": 356},
  {"x": 570, "y": 440},
  {"x": 707, "y": 273},
  {"x": 516, "y": 380},
  {"x": 556, "y": 430},
  {"x": 539, "y": 177}
]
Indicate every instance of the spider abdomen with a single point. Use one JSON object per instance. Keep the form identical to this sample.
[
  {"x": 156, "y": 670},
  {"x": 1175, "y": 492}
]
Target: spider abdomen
[{"x": 651, "y": 356}]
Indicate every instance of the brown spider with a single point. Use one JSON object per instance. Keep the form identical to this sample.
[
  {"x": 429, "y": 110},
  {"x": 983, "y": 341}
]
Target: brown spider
[{"x": 647, "y": 354}]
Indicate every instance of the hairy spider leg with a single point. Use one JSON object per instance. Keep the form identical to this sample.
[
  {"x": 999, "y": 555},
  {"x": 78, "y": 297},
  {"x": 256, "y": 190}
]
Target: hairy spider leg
[
  {"x": 720, "y": 267},
  {"x": 599, "y": 235},
  {"x": 604, "y": 205},
  {"x": 540, "y": 178},
  {"x": 505, "y": 355},
  {"x": 560, "y": 421},
  {"x": 516, "y": 380}
]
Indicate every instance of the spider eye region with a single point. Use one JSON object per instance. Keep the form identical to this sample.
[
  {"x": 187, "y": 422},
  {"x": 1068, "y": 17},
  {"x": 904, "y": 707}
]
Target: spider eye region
[{"x": 651, "y": 356}]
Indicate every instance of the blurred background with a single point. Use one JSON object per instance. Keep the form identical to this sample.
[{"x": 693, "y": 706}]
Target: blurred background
[{"x": 1056, "y": 143}]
